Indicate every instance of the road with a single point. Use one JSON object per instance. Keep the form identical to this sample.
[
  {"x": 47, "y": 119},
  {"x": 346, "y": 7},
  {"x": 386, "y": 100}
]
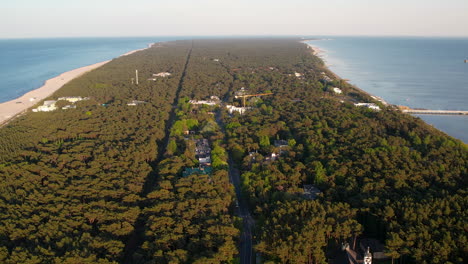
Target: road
[{"x": 246, "y": 251}]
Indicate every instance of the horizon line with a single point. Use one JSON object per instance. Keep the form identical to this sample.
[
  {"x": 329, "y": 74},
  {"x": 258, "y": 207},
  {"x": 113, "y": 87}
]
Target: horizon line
[{"x": 240, "y": 36}]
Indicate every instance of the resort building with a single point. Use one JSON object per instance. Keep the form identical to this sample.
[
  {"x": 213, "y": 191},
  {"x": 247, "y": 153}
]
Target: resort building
[
  {"x": 72, "y": 99},
  {"x": 203, "y": 151},
  {"x": 162, "y": 74},
  {"x": 369, "y": 105},
  {"x": 48, "y": 106},
  {"x": 214, "y": 100},
  {"x": 241, "y": 110},
  {"x": 337, "y": 90},
  {"x": 203, "y": 102},
  {"x": 69, "y": 107},
  {"x": 135, "y": 102}
]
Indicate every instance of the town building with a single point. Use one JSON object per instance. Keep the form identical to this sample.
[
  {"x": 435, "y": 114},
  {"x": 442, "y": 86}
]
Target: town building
[
  {"x": 203, "y": 151},
  {"x": 369, "y": 105},
  {"x": 310, "y": 192},
  {"x": 241, "y": 110},
  {"x": 214, "y": 100},
  {"x": 48, "y": 106},
  {"x": 162, "y": 74},
  {"x": 337, "y": 90},
  {"x": 72, "y": 99},
  {"x": 135, "y": 102},
  {"x": 69, "y": 107},
  {"x": 280, "y": 143}
]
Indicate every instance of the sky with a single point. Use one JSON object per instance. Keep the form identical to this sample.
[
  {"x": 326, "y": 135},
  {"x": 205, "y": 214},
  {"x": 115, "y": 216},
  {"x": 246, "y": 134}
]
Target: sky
[{"x": 105, "y": 18}]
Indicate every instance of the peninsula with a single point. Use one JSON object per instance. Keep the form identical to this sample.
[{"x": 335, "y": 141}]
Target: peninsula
[{"x": 227, "y": 151}]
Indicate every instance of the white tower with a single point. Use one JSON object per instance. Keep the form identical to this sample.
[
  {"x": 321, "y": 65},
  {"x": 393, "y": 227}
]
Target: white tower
[
  {"x": 136, "y": 74},
  {"x": 367, "y": 257}
]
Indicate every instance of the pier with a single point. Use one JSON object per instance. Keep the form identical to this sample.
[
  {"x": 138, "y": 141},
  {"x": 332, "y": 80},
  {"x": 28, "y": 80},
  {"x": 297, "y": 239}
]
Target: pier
[{"x": 434, "y": 112}]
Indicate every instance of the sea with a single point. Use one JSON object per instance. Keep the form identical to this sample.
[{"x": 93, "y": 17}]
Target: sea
[
  {"x": 419, "y": 72},
  {"x": 25, "y": 64}
]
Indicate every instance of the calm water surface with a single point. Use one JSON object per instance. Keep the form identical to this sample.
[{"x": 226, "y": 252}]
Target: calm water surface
[{"x": 416, "y": 72}]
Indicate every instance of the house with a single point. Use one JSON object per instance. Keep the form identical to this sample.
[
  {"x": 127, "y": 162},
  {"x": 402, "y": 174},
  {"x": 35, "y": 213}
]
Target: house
[
  {"x": 310, "y": 192},
  {"x": 72, "y": 99},
  {"x": 203, "y": 102},
  {"x": 135, "y": 102},
  {"x": 216, "y": 60},
  {"x": 48, "y": 106},
  {"x": 204, "y": 159},
  {"x": 272, "y": 157},
  {"x": 280, "y": 143},
  {"x": 162, "y": 74},
  {"x": 298, "y": 75},
  {"x": 337, "y": 90},
  {"x": 325, "y": 78},
  {"x": 69, "y": 107},
  {"x": 369, "y": 105},
  {"x": 203, "y": 151},
  {"x": 241, "y": 110},
  {"x": 374, "y": 246}
]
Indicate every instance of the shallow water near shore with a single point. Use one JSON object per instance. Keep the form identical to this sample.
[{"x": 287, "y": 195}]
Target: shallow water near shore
[
  {"x": 417, "y": 72},
  {"x": 26, "y": 64}
]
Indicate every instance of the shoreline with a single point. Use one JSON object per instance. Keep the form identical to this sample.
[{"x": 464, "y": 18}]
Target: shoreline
[
  {"x": 320, "y": 54},
  {"x": 11, "y": 109},
  {"x": 316, "y": 51}
]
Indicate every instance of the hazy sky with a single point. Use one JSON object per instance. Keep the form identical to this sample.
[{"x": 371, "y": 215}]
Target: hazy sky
[{"x": 65, "y": 18}]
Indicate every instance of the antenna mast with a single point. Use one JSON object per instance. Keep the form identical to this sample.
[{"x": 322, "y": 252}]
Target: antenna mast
[{"x": 136, "y": 74}]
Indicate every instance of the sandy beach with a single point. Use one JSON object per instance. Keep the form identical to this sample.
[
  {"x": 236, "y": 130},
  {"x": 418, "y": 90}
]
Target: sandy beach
[{"x": 13, "y": 108}]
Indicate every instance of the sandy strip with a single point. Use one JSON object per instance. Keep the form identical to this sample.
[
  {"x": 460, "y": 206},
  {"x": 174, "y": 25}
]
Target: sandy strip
[{"x": 13, "y": 108}]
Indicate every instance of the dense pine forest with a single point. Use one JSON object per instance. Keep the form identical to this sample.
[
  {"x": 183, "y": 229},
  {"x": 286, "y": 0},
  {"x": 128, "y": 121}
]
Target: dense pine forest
[{"x": 120, "y": 178}]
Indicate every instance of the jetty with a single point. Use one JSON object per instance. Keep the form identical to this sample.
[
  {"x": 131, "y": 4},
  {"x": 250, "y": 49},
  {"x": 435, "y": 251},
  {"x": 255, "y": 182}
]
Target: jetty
[{"x": 434, "y": 112}]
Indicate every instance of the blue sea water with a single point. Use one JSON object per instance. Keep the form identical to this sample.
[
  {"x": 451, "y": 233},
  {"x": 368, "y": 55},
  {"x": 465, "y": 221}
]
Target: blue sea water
[
  {"x": 417, "y": 72},
  {"x": 25, "y": 64}
]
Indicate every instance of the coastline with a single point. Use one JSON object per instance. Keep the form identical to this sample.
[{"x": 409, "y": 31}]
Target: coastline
[
  {"x": 316, "y": 51},
  {"x": 444, "y": 127},
  {"x": 11, "y": 109}
]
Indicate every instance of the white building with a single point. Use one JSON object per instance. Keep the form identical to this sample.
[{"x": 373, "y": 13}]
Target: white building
[
  {"x": 337, "y": 90},
  {"x": 135, "y": 102},
  {"x": 203, "y": 102},
  {"x": 72, "y": 99},
  {"x": 162, "y": 74},
  {"x": 298, "y": 75},
  {"x": 369, "y": 105},
  {"x": 69, "y": 107},
  {"x": 232, "y": 109},
  {"x": 48, "y": 106}
]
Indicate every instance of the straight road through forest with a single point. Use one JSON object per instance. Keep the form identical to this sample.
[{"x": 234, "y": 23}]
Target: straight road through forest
[{"x": 246, "y": 250}]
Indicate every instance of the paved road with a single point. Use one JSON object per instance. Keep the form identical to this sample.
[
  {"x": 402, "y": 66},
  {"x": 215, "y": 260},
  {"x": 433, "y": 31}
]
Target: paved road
[{"x": 246, "y": 251}]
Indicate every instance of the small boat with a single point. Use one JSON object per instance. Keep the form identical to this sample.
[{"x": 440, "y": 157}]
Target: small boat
[{"x": 466, "y": 61}]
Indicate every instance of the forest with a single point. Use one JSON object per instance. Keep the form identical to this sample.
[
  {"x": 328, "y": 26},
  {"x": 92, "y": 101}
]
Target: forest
[{"x": 106, "y": 182}]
